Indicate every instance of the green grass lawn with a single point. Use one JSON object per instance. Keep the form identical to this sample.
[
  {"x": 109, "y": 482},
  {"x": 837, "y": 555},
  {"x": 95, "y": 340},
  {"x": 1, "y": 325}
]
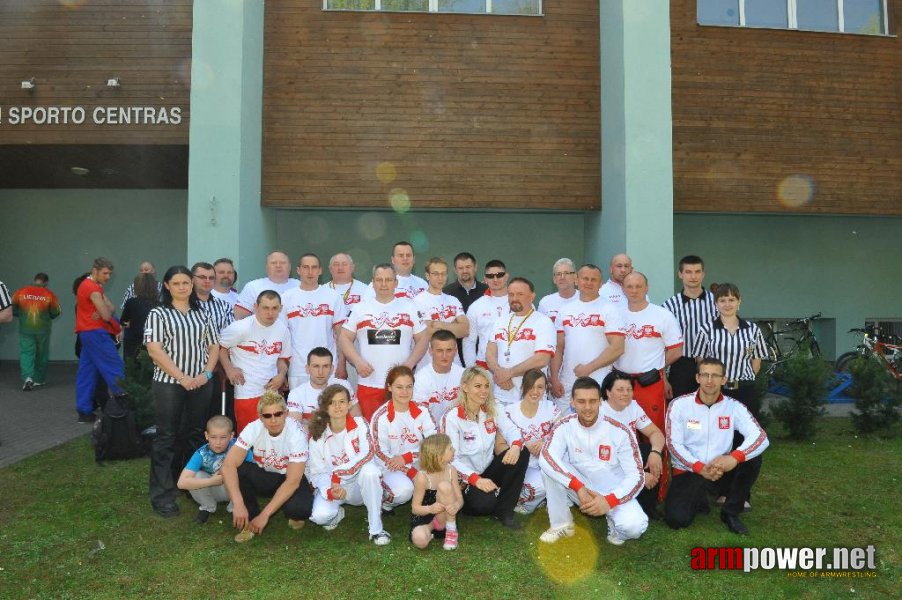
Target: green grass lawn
[{"x": 70, "y": 529}]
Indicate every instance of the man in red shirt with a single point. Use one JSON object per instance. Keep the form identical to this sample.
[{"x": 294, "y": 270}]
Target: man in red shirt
[
  {"x": 96, "y": 325},
  {"x": 35, "y": 306}
]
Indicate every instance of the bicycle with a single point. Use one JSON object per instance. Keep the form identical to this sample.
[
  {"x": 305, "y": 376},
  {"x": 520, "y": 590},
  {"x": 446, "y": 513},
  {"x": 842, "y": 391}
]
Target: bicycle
[
  {"x": 797, "y": 334},
  {"x": 889, "y": 355}
]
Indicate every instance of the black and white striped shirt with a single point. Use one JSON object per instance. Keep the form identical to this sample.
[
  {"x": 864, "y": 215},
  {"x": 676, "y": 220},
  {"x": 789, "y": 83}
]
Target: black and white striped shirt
[
  {"x": 219, "y": 310},
  {"x": 735, "y": 350},
  {"x": 130, "y": 293},
  {"x": 186, "y": 338},
  {"x": 5, "y": 300},
  {"x": 692, "y": 313}
]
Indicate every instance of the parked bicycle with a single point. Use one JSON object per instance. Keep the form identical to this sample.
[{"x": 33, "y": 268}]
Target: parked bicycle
[
  {"x": 796, "y": 337},
  {"x": 888, "y": 354}
]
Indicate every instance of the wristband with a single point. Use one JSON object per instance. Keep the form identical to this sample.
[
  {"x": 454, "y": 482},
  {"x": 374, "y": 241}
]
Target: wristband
[
  {"x": 658, "y": 452},
  {"x": 209, "y": 375}
]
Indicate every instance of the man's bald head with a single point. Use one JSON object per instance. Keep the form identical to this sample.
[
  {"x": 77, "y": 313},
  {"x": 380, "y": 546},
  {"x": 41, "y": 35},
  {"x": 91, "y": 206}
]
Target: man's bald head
[{"x": 621, "y": 266}]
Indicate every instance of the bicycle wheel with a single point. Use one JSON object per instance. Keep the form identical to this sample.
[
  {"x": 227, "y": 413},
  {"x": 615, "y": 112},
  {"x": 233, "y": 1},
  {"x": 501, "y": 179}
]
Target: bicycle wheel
[
  {"x": 844, "y": 362},
  {"x": 815, "y": 348}
]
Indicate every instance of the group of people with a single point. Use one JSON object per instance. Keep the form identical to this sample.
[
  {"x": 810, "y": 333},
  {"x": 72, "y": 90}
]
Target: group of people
[{"x": 465, "y": 397}]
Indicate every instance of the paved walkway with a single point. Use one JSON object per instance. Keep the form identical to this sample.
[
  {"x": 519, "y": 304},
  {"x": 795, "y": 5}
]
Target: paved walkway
[
  {"x": 43, "y": 418},
  {"x": 40, "y": 419}
]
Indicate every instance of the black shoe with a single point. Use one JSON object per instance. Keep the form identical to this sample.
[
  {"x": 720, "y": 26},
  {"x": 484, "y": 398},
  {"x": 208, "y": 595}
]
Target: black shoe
[
  {"x": 201, "y": 517},
  {"x": 85, "y": 417},
  {"x": 167, "y": 511},
  {"x": 510, "y": 522},
  {"x": 734, "y": 524},
  {"x": 653, "y": 513}
]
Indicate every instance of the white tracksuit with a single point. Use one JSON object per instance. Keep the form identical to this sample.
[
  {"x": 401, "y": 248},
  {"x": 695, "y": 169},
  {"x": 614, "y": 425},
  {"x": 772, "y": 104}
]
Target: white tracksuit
[
  {"x": 519, "y": 430},
  {"x": 473, "y": 441},
  {"x": 399, "y": 433},
  {"x": 605, "y": 458},
  {"x": 345, "y": 458}
]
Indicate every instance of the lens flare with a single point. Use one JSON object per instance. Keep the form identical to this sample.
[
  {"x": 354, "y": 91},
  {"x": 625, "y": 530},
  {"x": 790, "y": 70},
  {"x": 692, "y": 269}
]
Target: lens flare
[
  {"x": 795, "y": 191},
  {"x": 316, "y": 230},
  {"x": 568, "y": 560},
  {"x": 371, "y": 226},
  {"x": 386, "y": 172},
  {"x": 399, "y": 200}
]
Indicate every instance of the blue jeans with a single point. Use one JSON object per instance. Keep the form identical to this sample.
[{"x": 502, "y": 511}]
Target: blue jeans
[{"x": 98, "y": 357}]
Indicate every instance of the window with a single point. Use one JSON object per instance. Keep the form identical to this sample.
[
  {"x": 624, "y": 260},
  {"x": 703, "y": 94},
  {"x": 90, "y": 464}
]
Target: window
[
  {"x": 498, "y": 7},
  {"x": 843, "y": 16}
]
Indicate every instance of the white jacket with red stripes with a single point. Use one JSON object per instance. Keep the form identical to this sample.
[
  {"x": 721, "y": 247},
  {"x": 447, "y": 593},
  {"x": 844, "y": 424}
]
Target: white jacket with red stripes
[
  {"x": 338, "y": 457},
  {"x": 400, "y": 433},
  {"x": 605, "y": 457},
  {"x": 697, "y": 433}
]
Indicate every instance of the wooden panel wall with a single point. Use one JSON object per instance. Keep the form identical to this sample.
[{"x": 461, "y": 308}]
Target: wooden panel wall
[
  {"x": 72, "y": 47},
  {"x": 487, "y": 111},
  {"x": 775, "y": 121}
]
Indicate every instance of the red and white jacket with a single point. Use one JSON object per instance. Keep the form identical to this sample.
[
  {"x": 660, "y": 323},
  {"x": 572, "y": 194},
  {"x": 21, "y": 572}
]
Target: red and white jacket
[
  {"x": 697, "y": 433},
  {"x": 338, "y": 457},
  {"x": 517, "y": 429},
  {"x": 400, "y": 433},
  {"x": 605, "y": 457},
  {"x": 473, "y": 441}
]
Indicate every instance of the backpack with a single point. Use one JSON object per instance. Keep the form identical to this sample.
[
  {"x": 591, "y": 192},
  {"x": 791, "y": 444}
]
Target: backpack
[{"x": 115, "y": 435}]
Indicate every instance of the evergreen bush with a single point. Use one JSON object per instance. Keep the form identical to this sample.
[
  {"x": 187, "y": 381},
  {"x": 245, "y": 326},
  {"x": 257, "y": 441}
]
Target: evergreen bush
[
  {"x": 808, "y": 380},
  {"x": 877, "y": 397}
]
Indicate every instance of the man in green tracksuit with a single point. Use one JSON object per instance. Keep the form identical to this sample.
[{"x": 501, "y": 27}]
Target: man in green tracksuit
[{"x": 35, "y": 306}]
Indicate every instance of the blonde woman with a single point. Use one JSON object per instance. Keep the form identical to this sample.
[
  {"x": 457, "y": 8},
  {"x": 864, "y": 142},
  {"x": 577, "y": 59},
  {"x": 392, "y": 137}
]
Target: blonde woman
[{"x": 492, "y": 472}]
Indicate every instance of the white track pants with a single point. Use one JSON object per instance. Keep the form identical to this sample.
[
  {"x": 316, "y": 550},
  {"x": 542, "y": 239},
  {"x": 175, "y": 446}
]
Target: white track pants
[
  {"x": 628, "y": 520},
  {"x": 533, "y": 491},
  {"x": 364, "y": 488},
  {"x": 397, "y": 488}
]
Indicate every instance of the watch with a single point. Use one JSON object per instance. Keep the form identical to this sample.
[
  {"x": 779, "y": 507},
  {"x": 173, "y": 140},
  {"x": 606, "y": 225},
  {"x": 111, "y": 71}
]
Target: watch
[{"x": 209, "y": 375}]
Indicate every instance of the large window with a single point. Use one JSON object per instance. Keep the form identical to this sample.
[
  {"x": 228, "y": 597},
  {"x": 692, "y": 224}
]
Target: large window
[
  {"x": 497, "y": 7},
  {"x": 842, "y": 16}
]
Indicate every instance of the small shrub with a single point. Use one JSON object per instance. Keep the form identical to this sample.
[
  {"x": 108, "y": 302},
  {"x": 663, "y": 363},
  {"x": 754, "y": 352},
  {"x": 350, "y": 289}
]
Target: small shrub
[
  {"x": 877, "y": 397},
  {"x": 807, "y": 380},
  {"x": 137, "y": 382}
]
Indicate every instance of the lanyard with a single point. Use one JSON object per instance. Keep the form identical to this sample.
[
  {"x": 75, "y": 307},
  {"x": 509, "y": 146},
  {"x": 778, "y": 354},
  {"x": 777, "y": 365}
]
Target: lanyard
[
  {"x": 512, "y": 336},
  {"x": 344, "y": 297}
]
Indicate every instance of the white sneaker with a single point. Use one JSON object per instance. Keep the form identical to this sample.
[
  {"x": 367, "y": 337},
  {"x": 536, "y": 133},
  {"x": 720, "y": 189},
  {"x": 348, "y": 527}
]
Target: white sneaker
[
  {"x": 553, "y": 534},
  {"x": 382, "y": 538},
  {"x": 521, "y": 509},
  {"x": 336, "y": 520},
  {"x": 613, "y": 537}
]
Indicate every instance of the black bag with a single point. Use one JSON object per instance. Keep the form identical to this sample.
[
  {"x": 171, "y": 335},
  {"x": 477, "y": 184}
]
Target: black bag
[
  {"x": 649, "y": 378},
  {"x": 115, "y": 435}
]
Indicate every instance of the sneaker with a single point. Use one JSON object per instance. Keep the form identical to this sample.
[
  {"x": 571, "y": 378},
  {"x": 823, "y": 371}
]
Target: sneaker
[
  {"x": 245, "y": 535},
  {"x": 296, "y": 524},
  {"x": 553, "y": 534},
  {"x": 450, "y": 540},
  {"x": 521, "y": 509},
  {"x": 381, "y": 539},
  {"x": 335, "y": 520},
  {"x": 86, "y": 418},
  {"x": 615, "y": 539},
  {"x": 388, "y": 509},
  {"x": 28, "y": 385},
  {"x": 39, "y": 384},
  {"x": 746, "y": 507},
  {"x": 167, "y": 511},
  {"x": 202, "y": 516}
]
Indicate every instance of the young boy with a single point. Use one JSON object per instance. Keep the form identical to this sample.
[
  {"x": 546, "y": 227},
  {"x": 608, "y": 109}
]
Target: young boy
[{"x": 201, "y": 475}]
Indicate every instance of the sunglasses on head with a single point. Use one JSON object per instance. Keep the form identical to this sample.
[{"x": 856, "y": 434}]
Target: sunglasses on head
[
  {"x": 274, "y": 415},
  {"x": 495, "y": 275}
]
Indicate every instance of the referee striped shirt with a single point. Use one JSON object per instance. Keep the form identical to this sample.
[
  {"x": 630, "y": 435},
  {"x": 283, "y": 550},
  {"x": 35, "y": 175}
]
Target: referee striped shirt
[
  {"x": 736, "y": 350},
  {"x": 5, "y": 300},
  {"x": 692, "y": 313},
  {"x": 185, "y": 337},
  {"x": 219, "y": 311}
]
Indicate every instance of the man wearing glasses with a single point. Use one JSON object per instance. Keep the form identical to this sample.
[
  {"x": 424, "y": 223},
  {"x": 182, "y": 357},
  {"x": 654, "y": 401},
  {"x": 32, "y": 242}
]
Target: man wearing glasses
[
  {"x": 563, "y": 275},
  {"x": 699, "y": 433},
  {"x": 483, "y": 314}
]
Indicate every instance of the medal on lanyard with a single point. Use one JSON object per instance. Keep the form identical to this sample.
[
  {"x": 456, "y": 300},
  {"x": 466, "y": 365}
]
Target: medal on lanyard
[{"x": 511, "y": 336}]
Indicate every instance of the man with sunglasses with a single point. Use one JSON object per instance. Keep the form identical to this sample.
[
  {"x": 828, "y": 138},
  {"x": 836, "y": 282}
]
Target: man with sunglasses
[
  {"x": 483, "y": 314},
  {"x": 563, "y": 275},
  {"x": 278, "y": 446}
]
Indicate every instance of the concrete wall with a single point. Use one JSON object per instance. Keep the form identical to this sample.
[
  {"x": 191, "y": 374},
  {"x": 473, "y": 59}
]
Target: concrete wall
[
  {"x": 848, "y": 268},
  {"x": 62, "y": 231}
]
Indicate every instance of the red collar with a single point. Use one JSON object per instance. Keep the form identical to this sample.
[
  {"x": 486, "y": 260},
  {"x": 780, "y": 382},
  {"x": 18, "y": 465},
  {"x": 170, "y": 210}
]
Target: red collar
[
  {"x": 698, "y": 399},
  {"x": 350, "y": 423},
  {"x": 414, "y": 410}
]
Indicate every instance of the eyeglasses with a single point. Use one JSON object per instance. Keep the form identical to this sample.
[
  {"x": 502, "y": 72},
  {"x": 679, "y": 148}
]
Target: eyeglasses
[
  {"x": 274, "y": 415},
  {"x": 495, "y": 275},
  {"x": 565, "y": 273}
]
